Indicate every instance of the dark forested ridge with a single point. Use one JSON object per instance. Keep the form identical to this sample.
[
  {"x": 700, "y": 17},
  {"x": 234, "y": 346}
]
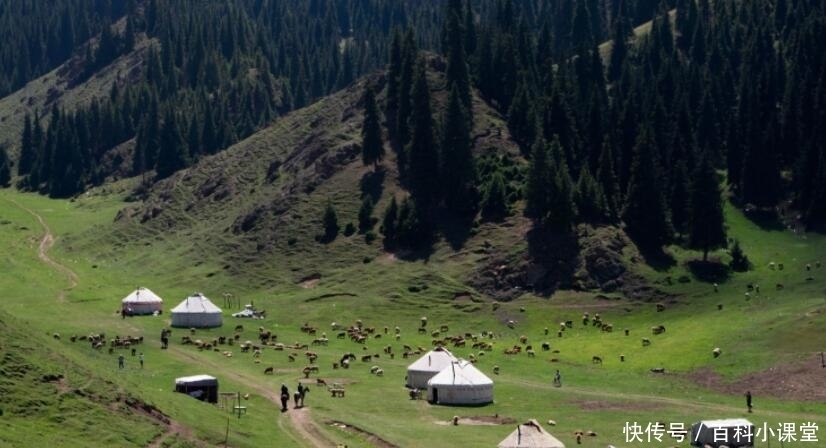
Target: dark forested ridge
[{"x": 617, "y": 127}]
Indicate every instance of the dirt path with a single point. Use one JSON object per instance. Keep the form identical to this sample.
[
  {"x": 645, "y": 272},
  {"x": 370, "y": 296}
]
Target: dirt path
[
  {"x": 46, "y": 242},
  {"x": 296, "y": 421}
]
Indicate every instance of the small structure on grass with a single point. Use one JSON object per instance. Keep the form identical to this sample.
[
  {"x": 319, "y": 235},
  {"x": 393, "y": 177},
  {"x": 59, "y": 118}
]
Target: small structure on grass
[
  {"x": 426, "y": 367},
  {"x": 202, "y": 387},
  {"x": 460, "y": 383},
  {"x": 196, "y": 311},
  {"x": 140, "y": 302},
  {"x": 731, "y": 432},
  {"x": 530, "y": 435}
]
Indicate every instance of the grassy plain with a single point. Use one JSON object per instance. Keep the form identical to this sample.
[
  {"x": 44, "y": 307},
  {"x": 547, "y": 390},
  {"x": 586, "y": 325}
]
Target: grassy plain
[{"x": 770, "y": 330}]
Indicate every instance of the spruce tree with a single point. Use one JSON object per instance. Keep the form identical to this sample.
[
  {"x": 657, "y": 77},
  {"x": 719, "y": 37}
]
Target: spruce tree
[
  {"x": 706, "y": 223},
  {"x": 645, "y": 214},
  {"x": 28, "y": 152},
  {"x": 5, "y": 169},
  {"x": 560, "y": 190},
  {"x": 608, "y": 180},
  {"x": 521, "y": 116},
  {"x": 372, "y": 146},
  {"x": 588, "y": 198},
  {"x": 172, "y": 151},
  {"x": 366, "y": 214},
  {"x": 422, "y": 151},
  {"x": 457, "y": 71},
  {"x": 394, "y": 68},
  {"x": 539, "y": 177},
  {"x": 389, "y": 222},
  {"x": 406, "y": 77},
  {"x": 458, "y": 170},
  {"x": 495, "y": 198},
  {"x": 330, "y": 223},
  {"x": 680, "y": 197}
]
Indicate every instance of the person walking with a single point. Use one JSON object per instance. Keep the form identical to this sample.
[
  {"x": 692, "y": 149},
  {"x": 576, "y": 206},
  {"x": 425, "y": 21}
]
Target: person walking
[
  {"x": 748, "y": 400},
  {"x": 301, "y": 391},
  {"x": 557, "y": 379},
  {"x": 140, "y": 358}
]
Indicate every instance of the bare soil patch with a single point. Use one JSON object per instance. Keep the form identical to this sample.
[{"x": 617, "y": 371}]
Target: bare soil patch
[
  {"x": 481, "y": 420},
  {"x": 602, "y": 405},
  {"x": 369, "y": 436},
  {"x": 310, "y": 281},
  {"x": 800, "y": 380}
]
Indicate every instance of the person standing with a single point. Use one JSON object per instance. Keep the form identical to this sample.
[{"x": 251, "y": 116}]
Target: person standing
[
  {"x": 140, "y": 358},
  {"x": 301, "y": 391},
  {"x": 120, "y": 361},
  {"x": 285, "y": 397},
  {"x": 748, "y": 400}
]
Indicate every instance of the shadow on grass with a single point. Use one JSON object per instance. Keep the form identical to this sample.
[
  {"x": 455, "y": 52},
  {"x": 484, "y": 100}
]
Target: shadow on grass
[
  {"x": 553, "y": 253},
  {"x": 455, "y": 229},
  {"x": 658, "y": 259},
  {"x": 372, "y": 183},
  {"x": 711, "y": 271}
]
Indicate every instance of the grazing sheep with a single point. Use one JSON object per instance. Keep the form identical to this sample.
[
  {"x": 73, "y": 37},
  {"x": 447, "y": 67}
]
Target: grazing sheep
[
  {"x": 239, "y": 328},
  {"x": 659, "y": 329},
  {"x": 779, "y": 286},
  {"x": 523, "y": 339},
  {"x": 380, "y": 372},
  {"x": 559, "y": 333},
  {"x": 660, "y": 307},
  {"x": 546, "y": 346},
  {"x": 646, "y": 342},
  {"x": 627, "y": 331},
  {"x": 622, "y": 358},
  {"x": 716, "y": 352},
  {"x": 530, "y": 353},
  {"x": 269, "y": 370},
  {"x": 596, "y": 360},
  {"x": 716, "y": 287},
  {"x": 374, "y": 369},
  {"x": 496, "y": 370},
  {"x": 658, "y": 370},
  {"x": 56, "y": 336}
]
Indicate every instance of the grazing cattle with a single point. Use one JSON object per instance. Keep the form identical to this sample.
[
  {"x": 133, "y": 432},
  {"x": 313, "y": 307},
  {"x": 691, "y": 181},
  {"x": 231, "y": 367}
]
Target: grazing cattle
[
  {"x": 320, "y": 382},
  {"x": 269, "y": 370},
  {"x": 596, "y": 360},
  {"x": 646, "y": 342},
  {"x": 569, "y": 323}
]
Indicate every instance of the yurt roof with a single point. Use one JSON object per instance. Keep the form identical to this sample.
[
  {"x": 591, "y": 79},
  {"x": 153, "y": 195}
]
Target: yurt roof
[
  {"x": 197, "y": 380},
  {"x": 142, "y": 295},
  {"x": 460, "y": 373},
  {"x": 530, "y": 435},
  {"x": 196, "y": 303},
  {"x": 433, "y": 361}
]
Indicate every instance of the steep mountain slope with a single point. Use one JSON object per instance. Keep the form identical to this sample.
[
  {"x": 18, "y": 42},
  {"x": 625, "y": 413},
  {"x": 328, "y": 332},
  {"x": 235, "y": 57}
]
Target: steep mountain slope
[{"x": 255, "y": 209}]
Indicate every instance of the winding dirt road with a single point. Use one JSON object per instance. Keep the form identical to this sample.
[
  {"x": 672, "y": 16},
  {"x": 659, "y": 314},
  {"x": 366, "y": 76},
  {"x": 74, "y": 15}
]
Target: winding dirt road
[{"x": 46, "y": 242}]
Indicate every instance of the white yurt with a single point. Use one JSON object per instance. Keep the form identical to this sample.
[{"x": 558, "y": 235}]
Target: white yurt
[
  {"x": 426, "y": 367},
  {"x": 141, "y": 301},
  {"x": 460, "y": 383},
  {"x": 530, "y": 435},
  {"x": 196, "y": 311}
]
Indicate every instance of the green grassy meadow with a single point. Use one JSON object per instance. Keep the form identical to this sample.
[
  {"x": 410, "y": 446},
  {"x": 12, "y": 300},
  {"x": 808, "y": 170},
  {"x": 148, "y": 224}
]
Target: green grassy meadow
[{"x": 755, "y": 333}]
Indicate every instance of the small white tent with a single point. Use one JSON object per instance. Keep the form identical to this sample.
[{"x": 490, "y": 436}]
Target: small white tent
[
  {"x": 733, "y": 432},
  {"x": 530, "y": 435},
  {"x": 141, "y": 301},
  {"x": 196, "y": 311},
  {"x": 426, "y": 367},
  {"x": 460, "y": 383}
]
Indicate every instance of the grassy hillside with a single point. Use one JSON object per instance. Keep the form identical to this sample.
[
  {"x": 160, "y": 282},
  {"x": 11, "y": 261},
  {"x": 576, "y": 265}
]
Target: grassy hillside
[{"x": 769, "y": 341}]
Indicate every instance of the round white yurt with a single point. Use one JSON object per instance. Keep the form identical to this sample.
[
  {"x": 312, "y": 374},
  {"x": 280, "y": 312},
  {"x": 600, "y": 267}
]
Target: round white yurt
[
  {"x": 196, "y": 311},
  {"x": 426, "y": 367},
  {"x": 141, "y": 301},
  {"x": 460, "y": 383}
]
